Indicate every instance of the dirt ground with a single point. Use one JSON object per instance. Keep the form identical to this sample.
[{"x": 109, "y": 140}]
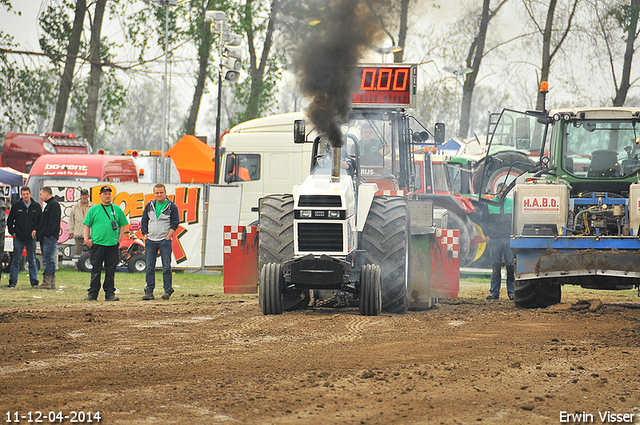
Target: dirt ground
[{"x": 220, "y": 361}]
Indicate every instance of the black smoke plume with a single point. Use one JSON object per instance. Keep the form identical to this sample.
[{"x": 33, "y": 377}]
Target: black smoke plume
[{"x": 341, "y": 30}]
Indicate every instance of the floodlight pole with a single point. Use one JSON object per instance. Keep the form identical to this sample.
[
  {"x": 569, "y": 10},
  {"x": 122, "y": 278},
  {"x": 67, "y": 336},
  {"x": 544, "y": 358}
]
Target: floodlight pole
[
  {"x": 220, "y": 17},
  {"x": 164, "y": 91},
  {"x": 162, "y": 171},
  {"x": 217, "y": 144}
]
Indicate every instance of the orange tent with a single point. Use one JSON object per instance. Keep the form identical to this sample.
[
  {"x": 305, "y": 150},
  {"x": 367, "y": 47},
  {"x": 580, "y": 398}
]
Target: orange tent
[{"x": 194, "y": 160}]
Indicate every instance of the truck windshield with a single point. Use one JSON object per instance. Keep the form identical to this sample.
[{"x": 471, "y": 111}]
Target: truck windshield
[{"x": 600, "y": 149}]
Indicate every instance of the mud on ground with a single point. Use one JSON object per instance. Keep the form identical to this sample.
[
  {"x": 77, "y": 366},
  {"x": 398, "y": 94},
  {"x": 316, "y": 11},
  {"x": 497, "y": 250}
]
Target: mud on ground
[{"x": 465, "y": 361}]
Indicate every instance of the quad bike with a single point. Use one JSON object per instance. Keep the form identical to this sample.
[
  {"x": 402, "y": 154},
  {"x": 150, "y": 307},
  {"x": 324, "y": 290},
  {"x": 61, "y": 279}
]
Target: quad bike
[{"x": 131, "y": 255}]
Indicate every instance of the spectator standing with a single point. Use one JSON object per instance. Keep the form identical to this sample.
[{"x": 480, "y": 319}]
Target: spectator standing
[
  {"x": 76, "y": 219},
  {"x": 23, "y": 220},
  {"x": 47, "y": 234},
  {"x": 498, "y": 232},
  {"x": 105, "y": 223},
  {"x": 160, "y": 221}
]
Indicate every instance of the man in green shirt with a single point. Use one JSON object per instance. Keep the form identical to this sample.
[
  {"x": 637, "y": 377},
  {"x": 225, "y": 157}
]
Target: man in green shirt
[{"x": 105, "y": 222}]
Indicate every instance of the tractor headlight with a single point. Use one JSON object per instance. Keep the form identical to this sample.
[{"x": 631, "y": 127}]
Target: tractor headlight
[
  {"x": 334, "y": 214},
  {"x": 305, "y": 214}
]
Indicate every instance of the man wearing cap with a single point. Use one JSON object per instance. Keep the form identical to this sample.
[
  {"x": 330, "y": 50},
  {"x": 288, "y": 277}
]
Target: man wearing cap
[
  {"x": 103, "y": 231},
  {"x": 76, "y": 219}
]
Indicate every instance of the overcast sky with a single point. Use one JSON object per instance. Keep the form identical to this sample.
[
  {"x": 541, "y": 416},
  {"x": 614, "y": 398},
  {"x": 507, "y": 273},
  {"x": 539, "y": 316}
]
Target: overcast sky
[
  {"x": 25, "y": 28},
  {"x": 520, "y": 78}
]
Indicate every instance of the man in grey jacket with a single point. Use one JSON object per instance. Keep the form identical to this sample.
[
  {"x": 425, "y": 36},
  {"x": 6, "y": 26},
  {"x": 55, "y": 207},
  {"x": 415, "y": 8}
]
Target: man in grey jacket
[{"x": 160, "y": 221}]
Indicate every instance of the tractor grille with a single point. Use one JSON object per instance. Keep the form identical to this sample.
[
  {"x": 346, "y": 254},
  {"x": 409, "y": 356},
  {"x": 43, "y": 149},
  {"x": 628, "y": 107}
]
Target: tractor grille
[
  {"x": 326, "y": 201},
  {"x": 320, "y": 237}
]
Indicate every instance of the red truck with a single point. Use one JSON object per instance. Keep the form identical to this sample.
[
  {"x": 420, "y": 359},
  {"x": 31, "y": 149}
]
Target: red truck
[
  {"x": 20, "y": 150},
  {"x": 85, "y": 168}
]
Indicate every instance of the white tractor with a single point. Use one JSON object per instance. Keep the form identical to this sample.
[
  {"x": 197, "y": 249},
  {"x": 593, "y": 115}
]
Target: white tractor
[{"x": 333, "y": 233}]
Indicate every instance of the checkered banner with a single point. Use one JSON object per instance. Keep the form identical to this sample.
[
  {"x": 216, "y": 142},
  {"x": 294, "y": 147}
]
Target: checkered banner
[
  {"x": 234, "y": 234},
  {"x": 449, "y": 239}
]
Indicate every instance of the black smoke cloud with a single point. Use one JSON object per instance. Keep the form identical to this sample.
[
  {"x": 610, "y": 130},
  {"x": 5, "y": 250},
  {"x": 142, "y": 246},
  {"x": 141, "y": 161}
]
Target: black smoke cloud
[{"x": 324, "y": 62}]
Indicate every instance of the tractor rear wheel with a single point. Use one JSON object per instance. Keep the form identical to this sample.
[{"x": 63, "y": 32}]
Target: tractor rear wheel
[
  {"x": 385, "y": 243},
  {"x": 270, "y": 296},
  {"x": 275, "y": 241},
  {"x": 370, "y": 290},
  {"x": 537, "y": 293}
]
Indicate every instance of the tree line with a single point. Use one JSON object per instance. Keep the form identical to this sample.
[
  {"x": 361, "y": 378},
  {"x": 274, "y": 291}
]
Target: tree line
[{"x": 104, "y": 86}]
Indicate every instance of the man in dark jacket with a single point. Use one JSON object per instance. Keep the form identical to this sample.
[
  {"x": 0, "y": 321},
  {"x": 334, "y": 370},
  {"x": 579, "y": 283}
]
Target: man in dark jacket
[
  {"x": 160, "y": 221},
  {"x": 23, "y": 220},
  {"x": 498, "y": 231},
  {"x": 47, "y": 234}
]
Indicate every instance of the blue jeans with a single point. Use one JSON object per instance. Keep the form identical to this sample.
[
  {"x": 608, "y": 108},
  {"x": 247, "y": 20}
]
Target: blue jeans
[
  {"x": 49, "y": 246},
  {"x": 18, "y": 247},
  {"x": 151, "y": 250},
  {"x": 501, "y": 248}
]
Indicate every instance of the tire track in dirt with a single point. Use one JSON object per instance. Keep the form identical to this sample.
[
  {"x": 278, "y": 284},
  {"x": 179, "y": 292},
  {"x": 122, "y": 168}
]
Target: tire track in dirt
[{"x": 56, "y": 362}]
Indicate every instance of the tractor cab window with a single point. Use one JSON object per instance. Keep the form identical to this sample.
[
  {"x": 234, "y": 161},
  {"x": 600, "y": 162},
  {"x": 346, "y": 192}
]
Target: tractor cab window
[
  {"x": 517, "y": 131},
  {"x": 373, "y": 137},
  {"x": 600, "y": 149},
  {"x": 517, "y": 140}
]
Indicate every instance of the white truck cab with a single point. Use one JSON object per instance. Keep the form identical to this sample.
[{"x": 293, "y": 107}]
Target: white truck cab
[{"x": 260, "y": 156}]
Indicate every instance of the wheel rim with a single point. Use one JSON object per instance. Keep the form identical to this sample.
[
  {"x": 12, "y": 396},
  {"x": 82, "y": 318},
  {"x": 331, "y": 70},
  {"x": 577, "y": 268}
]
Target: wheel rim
[{"x": 140, "y": 265}]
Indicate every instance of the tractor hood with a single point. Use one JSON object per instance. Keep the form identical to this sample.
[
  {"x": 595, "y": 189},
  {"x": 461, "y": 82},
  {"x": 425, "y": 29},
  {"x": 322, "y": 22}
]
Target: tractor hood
[{"x": 318, "y": 191}]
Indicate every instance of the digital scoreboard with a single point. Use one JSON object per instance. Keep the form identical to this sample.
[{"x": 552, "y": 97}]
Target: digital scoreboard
[{"x": 385, "y": 86}]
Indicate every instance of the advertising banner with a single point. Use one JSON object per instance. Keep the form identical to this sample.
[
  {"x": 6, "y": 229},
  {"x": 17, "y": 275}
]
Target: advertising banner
[{"x": 192, "y": 235}]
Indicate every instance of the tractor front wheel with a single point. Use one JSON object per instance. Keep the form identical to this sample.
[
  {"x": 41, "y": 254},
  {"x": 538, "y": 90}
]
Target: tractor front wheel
[
  {"x": 270, "y": 296},
  {"x": 536, "y": 293},
  {"x": 275, "y": 241},
  {"x": 370, "y": 290}
]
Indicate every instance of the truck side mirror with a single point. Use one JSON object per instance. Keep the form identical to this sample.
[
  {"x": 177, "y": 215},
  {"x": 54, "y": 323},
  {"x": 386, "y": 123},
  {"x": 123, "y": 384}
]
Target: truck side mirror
[
  {"x": 299, "y": 133},
  {"x": 229, "y": 169},
  {"x": 438, "y": 133}
]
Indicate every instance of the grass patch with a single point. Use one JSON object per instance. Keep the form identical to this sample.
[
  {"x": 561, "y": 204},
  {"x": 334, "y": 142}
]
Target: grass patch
[{"x": 72, "y": 286}]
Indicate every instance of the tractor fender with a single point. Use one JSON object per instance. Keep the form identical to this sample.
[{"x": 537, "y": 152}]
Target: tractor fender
[{"x": 366, "y": 192}]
